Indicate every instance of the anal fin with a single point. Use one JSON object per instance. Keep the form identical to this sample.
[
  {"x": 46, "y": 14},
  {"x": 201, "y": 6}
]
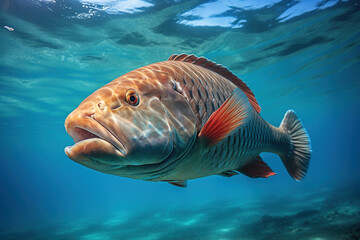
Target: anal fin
[{"x": 257, "y": 168}]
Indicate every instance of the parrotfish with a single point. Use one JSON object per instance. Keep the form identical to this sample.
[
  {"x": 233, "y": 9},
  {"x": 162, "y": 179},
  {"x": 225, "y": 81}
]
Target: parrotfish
[{"x": 182, "y": 119}]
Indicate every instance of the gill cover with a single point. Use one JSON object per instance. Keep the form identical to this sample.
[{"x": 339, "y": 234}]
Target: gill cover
[
  {"x": 145, "y": 132},
  {"x": 182, "y": 121}
]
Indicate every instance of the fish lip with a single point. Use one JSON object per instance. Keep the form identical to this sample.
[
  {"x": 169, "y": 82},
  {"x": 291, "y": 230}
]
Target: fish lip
[
  {"x": 100, "y": 132},
  {"x": 118, "y": 144}
]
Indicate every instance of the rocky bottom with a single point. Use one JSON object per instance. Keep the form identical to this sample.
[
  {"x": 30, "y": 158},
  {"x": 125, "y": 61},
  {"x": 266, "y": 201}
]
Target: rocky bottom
[{"x": 314, "y": 216}]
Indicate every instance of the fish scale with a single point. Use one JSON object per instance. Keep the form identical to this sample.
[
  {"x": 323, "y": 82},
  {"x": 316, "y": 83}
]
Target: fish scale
[
  {"x": 255, "y": 137},
  {"x": 201, "y": 104},
  {"x": 191, "y": 86}
]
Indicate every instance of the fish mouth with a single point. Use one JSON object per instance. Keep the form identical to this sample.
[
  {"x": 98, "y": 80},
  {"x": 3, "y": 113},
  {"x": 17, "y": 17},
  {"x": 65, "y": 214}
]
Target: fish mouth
[{"x": 92, "y": 140}]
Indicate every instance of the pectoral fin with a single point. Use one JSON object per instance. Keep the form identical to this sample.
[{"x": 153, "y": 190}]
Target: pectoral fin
[
  {"x": 257, "y": 168},
  {"x": 231, "y": 114}
]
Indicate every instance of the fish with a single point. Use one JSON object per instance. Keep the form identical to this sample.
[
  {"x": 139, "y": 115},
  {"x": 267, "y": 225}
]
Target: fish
[
  {"x": 181, "y": 119},
  {"x": 9, "y": 28}
]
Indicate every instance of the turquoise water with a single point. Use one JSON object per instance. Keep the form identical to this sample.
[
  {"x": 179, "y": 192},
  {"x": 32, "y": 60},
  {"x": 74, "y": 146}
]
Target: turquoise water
[{"x": 301, "y": 55}]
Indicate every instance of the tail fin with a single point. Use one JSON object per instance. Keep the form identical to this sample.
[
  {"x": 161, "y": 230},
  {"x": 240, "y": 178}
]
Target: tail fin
[{"x": 296, "y": 160}]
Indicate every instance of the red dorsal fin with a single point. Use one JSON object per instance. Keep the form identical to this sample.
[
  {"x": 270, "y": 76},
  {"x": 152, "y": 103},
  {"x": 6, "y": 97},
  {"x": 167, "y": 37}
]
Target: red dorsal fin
[
  {"x": 178, "y": 183},
  {"x": 231, "y": 114},
  {"x": 257, "y": 168},
  {"x": 221, "y": 70}
]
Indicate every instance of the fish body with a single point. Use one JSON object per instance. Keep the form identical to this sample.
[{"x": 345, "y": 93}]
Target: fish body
[
  {"x": 182, "y": 119},
  {"x": 9, "y": 28}
]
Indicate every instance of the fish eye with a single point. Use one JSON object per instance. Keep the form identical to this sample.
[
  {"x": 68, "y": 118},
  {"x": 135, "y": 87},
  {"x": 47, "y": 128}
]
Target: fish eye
[{"x": 131, "y": 97}]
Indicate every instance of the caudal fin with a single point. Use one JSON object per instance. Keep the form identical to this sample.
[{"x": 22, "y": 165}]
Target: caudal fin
[{"x": 297, "y": 158}]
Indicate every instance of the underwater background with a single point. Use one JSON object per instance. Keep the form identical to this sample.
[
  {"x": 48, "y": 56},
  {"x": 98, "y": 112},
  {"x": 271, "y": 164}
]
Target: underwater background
[{"x": 302, "y": 55}]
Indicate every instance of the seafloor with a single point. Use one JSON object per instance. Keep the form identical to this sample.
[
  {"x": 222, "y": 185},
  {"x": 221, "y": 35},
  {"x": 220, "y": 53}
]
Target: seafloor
[{"x": 319, "y": 215}]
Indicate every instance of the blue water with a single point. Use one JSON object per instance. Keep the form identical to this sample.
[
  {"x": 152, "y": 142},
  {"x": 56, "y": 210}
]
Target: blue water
[{"x": 301, "y": 55}]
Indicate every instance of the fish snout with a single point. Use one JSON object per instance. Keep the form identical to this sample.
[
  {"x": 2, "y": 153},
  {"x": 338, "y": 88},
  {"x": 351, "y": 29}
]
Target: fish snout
[
  {"x": 80, "y": 123},
  {"x": 77, "y": 116},
  {"x": 92, "y": 139}
]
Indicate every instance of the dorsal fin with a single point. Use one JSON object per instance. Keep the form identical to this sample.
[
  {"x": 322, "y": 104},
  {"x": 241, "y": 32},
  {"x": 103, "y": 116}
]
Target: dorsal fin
[{"x": 221, "y": 70}]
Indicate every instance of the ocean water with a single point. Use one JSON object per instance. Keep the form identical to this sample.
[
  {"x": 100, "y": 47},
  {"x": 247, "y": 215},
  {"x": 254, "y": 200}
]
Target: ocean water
[{"x": 301, "y": 55}]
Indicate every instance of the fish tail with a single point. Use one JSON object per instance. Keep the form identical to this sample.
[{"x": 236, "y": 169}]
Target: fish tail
[{"x": 297, "y": 156}]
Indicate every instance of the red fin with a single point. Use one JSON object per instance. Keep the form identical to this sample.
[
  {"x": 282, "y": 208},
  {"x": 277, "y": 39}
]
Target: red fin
[
  {"x": 221, "y": 70},
  {"x": 178, "y": 183},
  {"x": 229, "y": 173},
  {"x": 257, "y": 169},
  {"x": 230, "y": 115}
]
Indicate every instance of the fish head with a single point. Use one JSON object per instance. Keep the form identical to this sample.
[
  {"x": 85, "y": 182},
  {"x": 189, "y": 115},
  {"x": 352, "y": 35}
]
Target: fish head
[{"x": 131, "y": 121}]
